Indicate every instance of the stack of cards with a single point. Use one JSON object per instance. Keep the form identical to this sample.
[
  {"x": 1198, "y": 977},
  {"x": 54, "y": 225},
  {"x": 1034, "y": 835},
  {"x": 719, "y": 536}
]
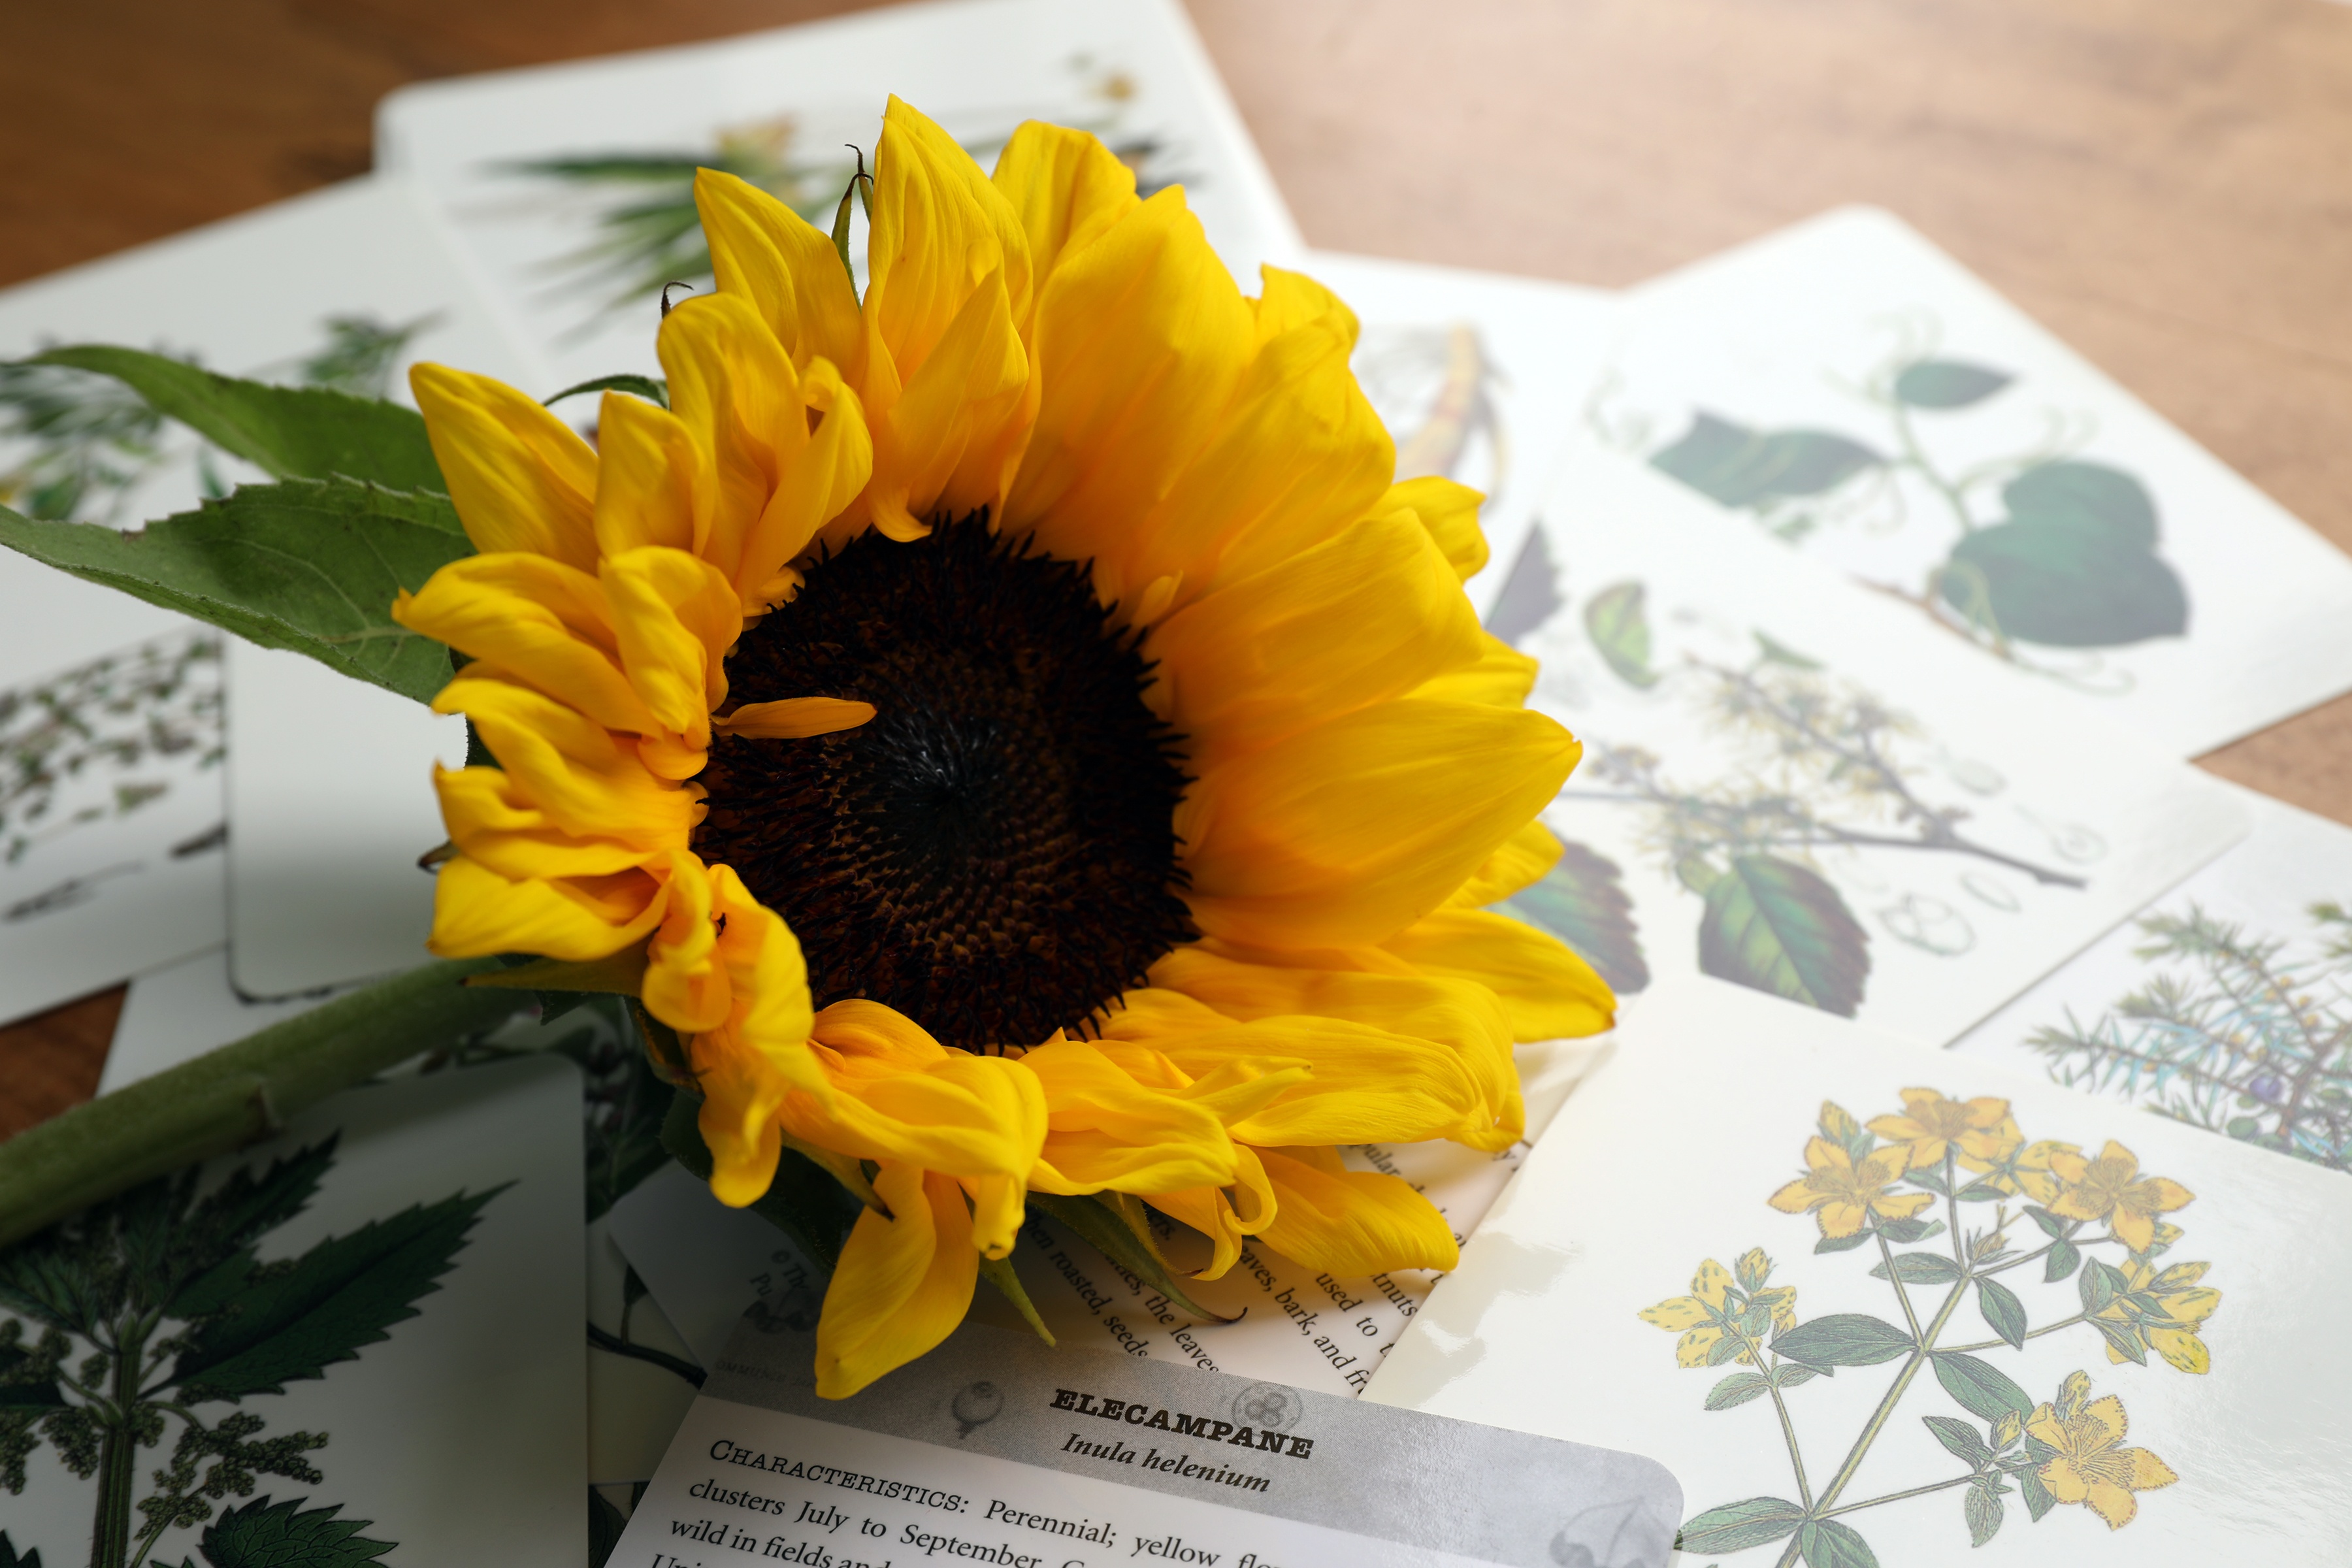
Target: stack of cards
[{"x": 1887, "y": 623}]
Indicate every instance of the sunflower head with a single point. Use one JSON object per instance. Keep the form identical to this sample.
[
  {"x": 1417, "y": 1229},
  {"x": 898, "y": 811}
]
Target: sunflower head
[{"x": 1012, "y": 727}]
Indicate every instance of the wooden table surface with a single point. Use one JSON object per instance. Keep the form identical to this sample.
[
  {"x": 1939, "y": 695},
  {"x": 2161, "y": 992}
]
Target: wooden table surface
[{"x": 2163, "y": 183}]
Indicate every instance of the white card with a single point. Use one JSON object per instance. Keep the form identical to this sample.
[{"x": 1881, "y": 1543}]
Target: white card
[
  {"x": 1793, "y": 782},
  {"x": 1477, "y": 376},
  {"x": 1653, "y": 1199},
  {"x": 180, "y": 1011},
  {"x": 2224, "y": 1004},
  {"x": 1846, "y": 385},
  {"x": 707, "y": 1265},
  {"x": 412, "y": 1340},
  {"x": 330, "y": 797},
  {"x": 577, "y": 260}
]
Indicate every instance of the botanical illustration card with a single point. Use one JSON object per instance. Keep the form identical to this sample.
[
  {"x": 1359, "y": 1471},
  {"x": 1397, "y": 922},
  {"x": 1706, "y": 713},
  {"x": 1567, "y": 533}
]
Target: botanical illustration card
[
  {"x": 1791, "y": 782},
  {"x": 112, "y": 711},
  {"x": 1875, "y": 1305},
  {"x": 572, "y": 186},
  {"x": 1847, "y": 388},
  {"x": 708, "y": 1265},
  {"x": 2227, "y": 1005},
  {"x": 1477, "y": 376},
  {"x": 331, "y": 1348}
]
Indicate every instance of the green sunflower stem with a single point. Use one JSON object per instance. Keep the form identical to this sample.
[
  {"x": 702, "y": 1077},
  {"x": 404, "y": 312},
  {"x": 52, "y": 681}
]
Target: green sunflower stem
[{"x": 238, "y": 1094}]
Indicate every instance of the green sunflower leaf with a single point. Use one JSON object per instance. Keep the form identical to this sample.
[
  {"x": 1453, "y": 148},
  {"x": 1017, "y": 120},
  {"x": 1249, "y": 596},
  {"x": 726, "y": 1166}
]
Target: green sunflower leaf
[
  {"x": 1117, "y": 1238},
  {"x": 1775, "y": 926},
  {"x": 311, "y": 566},
  {"x": 1844, "y": 1338},
  {"x": 1983, "y": 1389},
  {"x": 999, "y": 1272},
  {"x": 1737, "y": 1526},
  {"x": 293, "y": 432}
]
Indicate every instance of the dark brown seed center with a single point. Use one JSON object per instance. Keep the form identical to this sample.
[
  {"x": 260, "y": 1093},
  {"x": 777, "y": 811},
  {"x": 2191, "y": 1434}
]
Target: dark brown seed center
[{"x": 992, "y": 853}]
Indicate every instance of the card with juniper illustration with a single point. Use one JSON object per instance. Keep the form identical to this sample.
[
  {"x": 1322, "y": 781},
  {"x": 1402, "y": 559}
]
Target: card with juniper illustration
[
  {"x": 2226, "y": 1006},
  {"x": 1791, "y": 784},
  {"x": 1880, "y": 1305},
  {"x": 571, "y": 186},
  {"x": 1845, "y": 387},
  {"x": 328, "y": 1349}
]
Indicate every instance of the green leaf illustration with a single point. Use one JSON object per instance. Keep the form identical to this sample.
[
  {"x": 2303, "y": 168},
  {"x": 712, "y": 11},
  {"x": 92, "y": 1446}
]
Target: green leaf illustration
[
  {"x": 1737, "y": 1389},
  {"x": 2002, "y": 1311},
  {"x": 1983, "y": 1389},
  {"x": 1982, "y": 1508},
  {"x": 308, "y": 564},
  {"x": 263, "y": 1535},
  {"x": 1788, "y": 1374},
  {"x": 2100, "y": 1284},
  {"x": 1947, "y": 384},
  {"x": 1844, "y": 1338},
  {"x": 1843, "y": 1242},
  {"x": 26, "y": 1384},
  {"x": 2038, "y": 1500},
  {"x": 2123, "y": 1342},
  {"x": 2074, "y": 566},
  {"x": 10, "y": 1559},
  {"x": 1618, "y": 622},
  {"x": 2052, "y": 1226},
  {"x": 1920, "y": 1269},
  {"x": 1826, "y": 1543},
  {"x": 1737, "y": 1526},
  {"x": 1910, "y": 1229},
  {"x": 1776, "y": 926},
  {"x": 1582, "y": 901},
  {"x": 605, "y": 1524},
  {"x": 1736, "y": 467},
  {"x": 217, "y": 1235},
  {"x": 293, "y": 432},
  {"x": 1959, "y": 1439},
  {"x": 344, "y": 1293},
  {"x": 2063, "y": 1259}
]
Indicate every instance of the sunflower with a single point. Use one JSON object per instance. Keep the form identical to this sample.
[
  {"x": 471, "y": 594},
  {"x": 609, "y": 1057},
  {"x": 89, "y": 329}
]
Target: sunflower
[{"x": 1013, "y": 727}]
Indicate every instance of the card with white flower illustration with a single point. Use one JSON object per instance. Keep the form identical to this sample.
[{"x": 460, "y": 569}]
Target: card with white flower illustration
[
  {"x": 2227, "y": 1005},
  {"x": 1880, "y": 1305},
  {"x": 1793, "y": 782},
  {"x": 572, "y": 186},
  {"x": 1477, "y": 376},
  {"x": 337, "y": 289},
  {"x": 332, "y": 1347},
  {"x": 1846, "y": 388}
]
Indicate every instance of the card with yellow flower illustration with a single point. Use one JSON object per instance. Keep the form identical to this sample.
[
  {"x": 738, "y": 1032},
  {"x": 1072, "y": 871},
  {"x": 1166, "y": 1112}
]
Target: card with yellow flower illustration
[
  {"x": 2226, "y": 1004},
  {"x": 1794, "y": 785},
  {"x": 571, "y": 186},
  {"x": 1880, "y": 1305}
]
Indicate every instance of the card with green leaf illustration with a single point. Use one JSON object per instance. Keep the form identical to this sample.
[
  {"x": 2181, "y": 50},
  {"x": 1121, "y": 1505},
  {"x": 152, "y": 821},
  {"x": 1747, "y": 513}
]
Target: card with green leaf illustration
[
  {"x": 1791, "y": 782},
  {"x": 331, "y": 1348},
  {"x": 2227, "y": 1005},
  {"x": 1845, "y": 386},
  {"x": 1881, "y": 1306},
  {"x": 573, "y": 185},
  {"x": 121, "y": 702},
  {"x": 1477, "y": 376}
]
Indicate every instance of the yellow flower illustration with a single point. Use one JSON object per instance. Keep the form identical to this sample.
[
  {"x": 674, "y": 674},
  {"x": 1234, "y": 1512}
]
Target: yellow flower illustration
[
  {"x": 1930, "y": 1124},
  {"x": 2090, "y": 1468},
  {"x": 1712, "y": 1311},
  {"x": 1842, "y": 1195},
  {"x": 1011, "y": 728},
  {"x": 2111, "y": 1188},
  {"x": 2164, "y": 1310},
  {"x": 2006, "y": 1161}
]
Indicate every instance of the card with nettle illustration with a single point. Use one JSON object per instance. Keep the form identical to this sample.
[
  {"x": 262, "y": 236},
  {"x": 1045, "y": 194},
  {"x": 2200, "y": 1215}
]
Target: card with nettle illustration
[
  {"x": 1875, "y": 1305},
  {"x": 334, "y": 1347}
]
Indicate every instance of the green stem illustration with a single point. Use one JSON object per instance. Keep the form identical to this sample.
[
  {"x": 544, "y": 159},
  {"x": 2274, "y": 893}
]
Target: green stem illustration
[
  {"x": 1898, "y": 1497},
  {"x": 117, "y": 1461}
]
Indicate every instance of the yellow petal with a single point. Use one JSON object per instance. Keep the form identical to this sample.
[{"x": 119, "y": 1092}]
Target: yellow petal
[
  {"x": 795, "y": 717},
  {"x": 787, "y": 270},
  {"x": 477, "y": 912},
  {"x": 903, "y": 1285},
  {"x": 1680, "y": 1313},
  {"x": 1350, "y": 1223},
  {"x": 1523, "y": 860},
  {"x": 1106, "y": 1130},
  {"x": 1698, "y": 1347},
  {"x": 538, "y": 619},
  {"x": 1503, "y": 677},
  {"x": 1350, "y": 832},
  {"x": 518, "y": 476},
  {"x": 674, "y": 616},
  {"x": 653, "y": 484},
  {"x": 2182, "y": 1348},
  {"x": 1797, "y": 1197},
  {"x": 1362, "y": 617},
  {"x": 1450, "y": 513},
  {"x": 1546, "y": 989},
  {"x": 1066, "y": 188},
  {"x": 2147, "y": 1471},
  {"x": 736, "y": 394},
  {"x": 939, "y": 230},
  {"x": 952, "y": 1112},
  {"x": 946, "y": 444},
  {"x": 2065, "y": 1482},
  {"x": 1840, "y": 1219},
  {"x": 1711, "y": 1283},
  {"x": 2111, "y": 1502},
  {"x": 588, "y": 784},
  {"x": 492, "y": 819}
]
